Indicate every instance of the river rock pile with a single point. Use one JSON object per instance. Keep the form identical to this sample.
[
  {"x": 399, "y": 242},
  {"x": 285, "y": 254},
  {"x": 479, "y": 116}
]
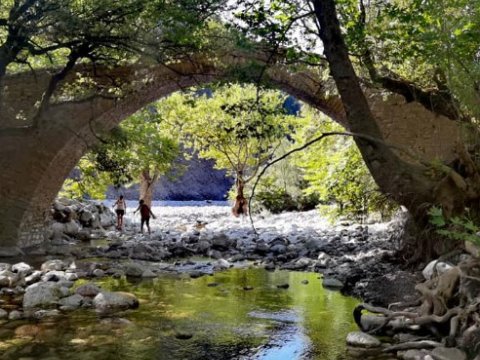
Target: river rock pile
[
  {"x": 51, "y": 290},
  {"x": 73, "y": 219}
]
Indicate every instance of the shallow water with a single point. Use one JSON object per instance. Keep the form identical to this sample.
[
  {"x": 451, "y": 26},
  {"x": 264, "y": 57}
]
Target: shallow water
[{"x": 224, "y": 321}]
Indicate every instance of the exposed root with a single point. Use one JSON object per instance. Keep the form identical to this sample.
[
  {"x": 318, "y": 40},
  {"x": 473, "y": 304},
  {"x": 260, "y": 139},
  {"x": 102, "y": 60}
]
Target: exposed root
[{"x": 447, "y": 311}]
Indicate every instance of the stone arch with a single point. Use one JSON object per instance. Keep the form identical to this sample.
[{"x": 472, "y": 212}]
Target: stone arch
[{"x": 36, "y": 164}]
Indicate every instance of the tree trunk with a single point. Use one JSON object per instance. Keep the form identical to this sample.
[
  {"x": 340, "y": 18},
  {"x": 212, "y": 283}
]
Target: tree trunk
[
  {"x": 147, "y": 182},
  {"x": 406, "y": 183}
]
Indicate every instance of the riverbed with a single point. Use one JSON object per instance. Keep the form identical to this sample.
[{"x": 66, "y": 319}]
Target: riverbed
[{"x": 242, "y": 313}]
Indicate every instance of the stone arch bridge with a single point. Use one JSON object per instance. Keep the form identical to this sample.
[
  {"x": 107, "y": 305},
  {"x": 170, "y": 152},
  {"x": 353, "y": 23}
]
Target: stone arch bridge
[{"x": 39, "y": 149}]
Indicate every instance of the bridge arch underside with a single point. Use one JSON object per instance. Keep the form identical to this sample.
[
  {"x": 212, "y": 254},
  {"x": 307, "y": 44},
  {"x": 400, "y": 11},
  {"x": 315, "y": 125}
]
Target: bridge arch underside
[{"x": 35, "y": 165}]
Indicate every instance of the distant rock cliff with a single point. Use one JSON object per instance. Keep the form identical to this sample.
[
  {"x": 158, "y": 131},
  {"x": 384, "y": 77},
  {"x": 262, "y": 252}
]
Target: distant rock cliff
[{"x": 193, "y": 179}]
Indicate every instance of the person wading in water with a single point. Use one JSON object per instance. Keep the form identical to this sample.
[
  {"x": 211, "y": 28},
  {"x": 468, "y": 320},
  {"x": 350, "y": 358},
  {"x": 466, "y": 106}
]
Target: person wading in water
[
  {"x": 121, "y": 208},
  {"x": 145, "y": 213}
]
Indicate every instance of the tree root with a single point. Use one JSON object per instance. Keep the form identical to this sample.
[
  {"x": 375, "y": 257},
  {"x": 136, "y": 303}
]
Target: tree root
[{"x": 447, "y": 310}]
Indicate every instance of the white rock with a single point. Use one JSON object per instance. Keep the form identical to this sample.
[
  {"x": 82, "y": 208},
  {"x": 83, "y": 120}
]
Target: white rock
[
  {"x": 361, "y": 339},
  {"x": 22, "y": 268},
  {"x": 69, "y": 276},
  {"x": 53, "y": 265},
  {"x": 222, "y": 264},
  {"x": 439, "y": 266},
  {"x": 33, "y": 277},
  {"x": 106, "y": 300}
]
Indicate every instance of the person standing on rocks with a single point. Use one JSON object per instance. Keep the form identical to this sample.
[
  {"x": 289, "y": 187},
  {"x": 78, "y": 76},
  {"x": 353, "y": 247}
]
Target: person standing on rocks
[
  {"x": 145, "y": 213},
  {"x": 121, "y": 207}
]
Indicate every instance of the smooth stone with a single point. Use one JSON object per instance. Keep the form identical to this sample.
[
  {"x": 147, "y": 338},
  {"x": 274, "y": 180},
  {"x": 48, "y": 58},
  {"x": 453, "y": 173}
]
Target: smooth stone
[
  {"x": 22, "y": 268},
  {"x": 52, "y": 265},
  {"x": 332, "y": 283},
  {"x": 439, "y": 266},
  {"x": 33, "y": 277},
  {"x": 98, "y": 273},
  {"x": 15, "y": 315},
  {"x": 134, "y": 270},
  {"x": 222, "y": 264},
  {"x": 361, "y": 339},
  {"x": 106, "y": 300},
  {"x": 73, "y": 301},
  {"x": 89, "y": 290},
  {"x": 442, "y": 353},
  {"x": 70, "y": 276},
  {"x": 42, "y": 295}
]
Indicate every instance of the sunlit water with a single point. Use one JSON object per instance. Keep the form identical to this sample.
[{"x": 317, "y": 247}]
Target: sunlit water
[{"x": 183, "y": 318}]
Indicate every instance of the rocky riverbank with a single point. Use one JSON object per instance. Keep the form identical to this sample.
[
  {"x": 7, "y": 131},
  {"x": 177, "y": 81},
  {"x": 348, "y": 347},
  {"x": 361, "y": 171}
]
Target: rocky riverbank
[
  {"x": 358, "y": 260},
  {"x": 197, "y": 241}
]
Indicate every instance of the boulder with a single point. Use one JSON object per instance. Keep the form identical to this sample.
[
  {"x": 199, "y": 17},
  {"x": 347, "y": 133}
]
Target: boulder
[
  {"x": 442, "y": 353},
  {"x": 54, "y": 276},
  {"x": 89, "y": 290},
  {"x": 134, "y": 270},
  {"x": 15, "y": 315},
  {"x": 361, "y": 339},
  {"x": 33, "y": 277},
  {"x": 8, "y": 278},
  {"x": 42, "y": 295},
  {"x": 73, "y": 301},
  {"x": 112, "y": 301},
  {"x": 50, "y": 265},
  {"x": 222, "y": 242},
  {"x": 71, "y": 228},
  {"x": 22, "y": 268},
  {"x": 435, "y": 267}
]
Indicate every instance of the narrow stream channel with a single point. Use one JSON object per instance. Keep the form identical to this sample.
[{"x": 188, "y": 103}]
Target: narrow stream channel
[{"x": 212, "y": 317}]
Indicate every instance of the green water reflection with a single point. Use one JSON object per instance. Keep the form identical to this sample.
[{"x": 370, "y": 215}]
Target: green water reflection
[{"x": 220, "y": 322}]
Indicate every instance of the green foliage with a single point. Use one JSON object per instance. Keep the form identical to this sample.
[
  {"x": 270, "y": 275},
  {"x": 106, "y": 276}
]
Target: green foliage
[
  {"x": 461, "y": 228},
  {"x": 142, "y": 143},
  {"x": 337, "y": 174},
  {"x": 240, "y": 127}
]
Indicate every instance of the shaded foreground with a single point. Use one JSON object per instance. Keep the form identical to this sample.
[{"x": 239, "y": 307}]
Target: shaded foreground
[{"x": 239, "y": 313}]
